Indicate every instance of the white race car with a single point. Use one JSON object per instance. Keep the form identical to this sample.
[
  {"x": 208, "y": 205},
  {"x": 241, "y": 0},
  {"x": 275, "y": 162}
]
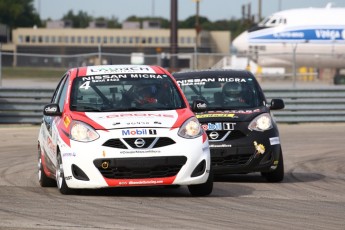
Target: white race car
[{"x": 120, "y": 126}]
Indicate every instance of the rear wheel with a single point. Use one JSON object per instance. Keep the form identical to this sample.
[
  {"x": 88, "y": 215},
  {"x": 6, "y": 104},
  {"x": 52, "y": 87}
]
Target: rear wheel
[
  {"x": 204, "y": 189},
  {"x": 43, "y": 179},
  {"x": 278, "y": 174},
  {"x": 60, "y": 178}
]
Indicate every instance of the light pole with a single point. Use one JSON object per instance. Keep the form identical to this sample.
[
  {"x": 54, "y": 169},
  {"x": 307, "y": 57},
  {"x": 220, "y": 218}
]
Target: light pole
[
  {"x": 197, "y": 32},
  {"x": 173, "y": 36}
]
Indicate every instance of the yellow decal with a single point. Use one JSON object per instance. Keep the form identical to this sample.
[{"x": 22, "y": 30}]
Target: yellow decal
[
  {"x": 66, "y": 121},
  {"x": 215, "y": 115},
  {"x": 103, "y": 153},
  {"x": 259, "y": 148}
]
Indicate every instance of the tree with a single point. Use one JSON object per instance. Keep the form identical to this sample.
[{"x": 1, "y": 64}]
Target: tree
[
  {"x": 190, "y": 22},
  {"x": 18, "y": 13},
  {"x": 164, "y": 22},
  {"x": 113, "y": 22},
  {"x": 81, "y": 20}
]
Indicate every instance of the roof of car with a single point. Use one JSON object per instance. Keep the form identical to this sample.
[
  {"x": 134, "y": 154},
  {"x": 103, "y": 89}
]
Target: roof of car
[{"x": 213, "y": 73}]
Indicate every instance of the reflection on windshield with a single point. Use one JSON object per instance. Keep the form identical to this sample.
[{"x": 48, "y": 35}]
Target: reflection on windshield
[{"x": 125, "y": 92}]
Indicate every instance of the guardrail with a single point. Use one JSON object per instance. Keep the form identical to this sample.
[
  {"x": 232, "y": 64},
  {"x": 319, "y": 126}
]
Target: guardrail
[
  {"x": 301, "y": 105},
  {"x": 309, "y": 105}
]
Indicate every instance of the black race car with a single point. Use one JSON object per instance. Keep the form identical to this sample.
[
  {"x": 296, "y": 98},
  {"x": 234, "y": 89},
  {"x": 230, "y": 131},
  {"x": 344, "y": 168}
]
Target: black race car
[{"x": 242, "y": 133}]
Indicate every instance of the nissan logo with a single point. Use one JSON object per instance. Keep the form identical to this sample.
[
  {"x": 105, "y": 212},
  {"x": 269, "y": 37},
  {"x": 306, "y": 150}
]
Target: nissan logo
[
  {"x": 139, "y": 143},
  {"x": 213, "y": 135}
]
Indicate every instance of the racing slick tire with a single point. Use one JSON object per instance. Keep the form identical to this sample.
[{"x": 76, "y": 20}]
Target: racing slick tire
[
  {"x": 60, "y": 178},
  {"x": 204, "y": 189},
  {"x": 278, "y": 174},
  {"x": 43, "y": 179}
]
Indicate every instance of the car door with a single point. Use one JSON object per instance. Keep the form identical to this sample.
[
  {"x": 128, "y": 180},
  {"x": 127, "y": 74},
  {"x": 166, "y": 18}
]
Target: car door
[{"x": 49, "y": 122}]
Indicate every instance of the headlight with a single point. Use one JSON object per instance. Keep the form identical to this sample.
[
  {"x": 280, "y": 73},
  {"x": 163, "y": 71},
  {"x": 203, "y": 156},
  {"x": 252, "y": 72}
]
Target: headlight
[
  {"x": 190, "y": 129},
  {"x": 82, "y": 132},
  {"x": 261, "y": 123}
]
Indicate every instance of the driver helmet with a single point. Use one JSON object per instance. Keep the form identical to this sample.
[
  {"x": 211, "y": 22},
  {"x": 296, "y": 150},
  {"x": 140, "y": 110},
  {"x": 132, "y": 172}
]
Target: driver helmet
[
  {"x": 147, "y": 91},
  {"x": 147, "y": 94},
  {"x": 232, "y": 89}
]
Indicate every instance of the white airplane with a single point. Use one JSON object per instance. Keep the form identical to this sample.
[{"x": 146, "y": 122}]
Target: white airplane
[{"x": 314, "y": 37}]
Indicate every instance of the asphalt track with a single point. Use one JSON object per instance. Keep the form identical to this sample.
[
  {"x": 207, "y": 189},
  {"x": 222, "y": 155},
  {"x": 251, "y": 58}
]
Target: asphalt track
[{"x": 310, "y": 197}]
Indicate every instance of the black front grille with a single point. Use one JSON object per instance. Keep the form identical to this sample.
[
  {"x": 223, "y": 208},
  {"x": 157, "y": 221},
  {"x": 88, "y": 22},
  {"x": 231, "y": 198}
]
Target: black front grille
[
  {"x": 159, "y": 142},
  {"x": 136, "y": 168},
  {"x": 233, "y": 160},
  {"x": 164, "y": 141},
  {"x": 115, "y": 143},
  {"x": 231, "y": 156}
]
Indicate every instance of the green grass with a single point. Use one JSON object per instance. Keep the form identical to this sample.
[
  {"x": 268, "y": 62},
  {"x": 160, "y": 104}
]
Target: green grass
[{"x": 32, "y": 72}]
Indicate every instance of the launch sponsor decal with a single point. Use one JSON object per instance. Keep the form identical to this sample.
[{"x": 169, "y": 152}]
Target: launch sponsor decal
[{"x": 94, "y": 70}]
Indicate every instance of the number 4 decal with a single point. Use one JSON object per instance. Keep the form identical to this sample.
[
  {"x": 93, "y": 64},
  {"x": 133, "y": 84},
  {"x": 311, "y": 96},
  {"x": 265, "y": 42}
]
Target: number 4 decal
[{"x": 85, "y": 86}]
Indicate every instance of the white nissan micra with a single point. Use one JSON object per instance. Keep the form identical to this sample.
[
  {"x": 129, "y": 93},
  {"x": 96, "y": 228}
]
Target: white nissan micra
[{"x": 120, "y": 126}]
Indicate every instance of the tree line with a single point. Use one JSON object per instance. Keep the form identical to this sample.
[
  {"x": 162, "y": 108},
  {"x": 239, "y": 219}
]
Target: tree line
[{"x": 22, "y": 13}]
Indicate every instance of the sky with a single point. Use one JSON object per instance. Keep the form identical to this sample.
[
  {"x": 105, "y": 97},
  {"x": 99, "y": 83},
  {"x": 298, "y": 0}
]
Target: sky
[{"x": 212, "y": 9}]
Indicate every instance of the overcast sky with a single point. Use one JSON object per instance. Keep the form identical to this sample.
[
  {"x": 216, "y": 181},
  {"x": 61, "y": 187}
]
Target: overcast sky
[{"x": 212, "y": 9}]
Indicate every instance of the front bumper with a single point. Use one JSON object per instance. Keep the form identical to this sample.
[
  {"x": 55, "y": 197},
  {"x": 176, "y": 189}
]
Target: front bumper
[
  {"x": 179, "y": 162},
  {"x": 241, "y": 156}
]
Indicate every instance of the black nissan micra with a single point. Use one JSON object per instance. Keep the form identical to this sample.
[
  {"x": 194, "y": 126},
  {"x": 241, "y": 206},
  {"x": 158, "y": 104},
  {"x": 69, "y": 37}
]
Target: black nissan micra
[{"x": 242, "y": 132}]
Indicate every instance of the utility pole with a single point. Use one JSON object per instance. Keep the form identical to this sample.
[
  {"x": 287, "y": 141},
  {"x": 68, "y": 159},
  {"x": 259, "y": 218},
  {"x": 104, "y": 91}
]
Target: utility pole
[
  {"x": 260, "y": 11},
  {"x": 173, "y": 36}
]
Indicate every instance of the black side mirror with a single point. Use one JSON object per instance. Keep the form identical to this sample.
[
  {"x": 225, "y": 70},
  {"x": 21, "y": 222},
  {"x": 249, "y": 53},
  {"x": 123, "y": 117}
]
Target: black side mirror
[
  {"x": 199, "y": 106},
  {"x": 277, "y": 104},
  {"x": 52, "y": 110}
]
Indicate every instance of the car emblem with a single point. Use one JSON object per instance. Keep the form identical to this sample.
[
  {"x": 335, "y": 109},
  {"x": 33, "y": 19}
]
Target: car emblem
[
  {"x": 214, "y": 135},
  {"x": 139, "y": 143}
]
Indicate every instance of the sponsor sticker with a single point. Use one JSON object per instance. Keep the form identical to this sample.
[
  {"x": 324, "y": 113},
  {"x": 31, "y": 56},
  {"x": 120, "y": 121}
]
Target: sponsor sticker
[
  {"x": 274, "y": 141},
  {"x": 95, "y": 70},
  {"x": 203, "y": 81},
  {"x": 66, "y": 121},
  {"x": 138, "y": 132},
  {"x": 69, "y": 154},
  {"x": 215, "y": 115},
  {"x": 220, "y": 146},
  {"x": 140, "y": 151}
]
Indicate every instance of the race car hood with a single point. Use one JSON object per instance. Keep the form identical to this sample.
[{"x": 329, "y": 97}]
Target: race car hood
[
  {"x": 233, "y": 115},
  {"x": 117, "y": 120}
]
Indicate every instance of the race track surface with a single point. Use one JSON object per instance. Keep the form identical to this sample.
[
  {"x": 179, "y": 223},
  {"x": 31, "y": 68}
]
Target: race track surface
[{"x": 312, "y": 195}]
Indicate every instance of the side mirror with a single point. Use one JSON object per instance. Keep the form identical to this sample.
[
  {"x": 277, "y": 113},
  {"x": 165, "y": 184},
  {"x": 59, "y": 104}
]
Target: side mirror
[
  {"x": 52, "y": 110},
  {"x": 199, "y": 106},
  {"x": 277, "y": 104}
]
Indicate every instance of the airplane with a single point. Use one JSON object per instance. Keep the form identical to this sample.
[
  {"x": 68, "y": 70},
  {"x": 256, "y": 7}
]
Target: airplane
[{"x": 311, "y": 37}]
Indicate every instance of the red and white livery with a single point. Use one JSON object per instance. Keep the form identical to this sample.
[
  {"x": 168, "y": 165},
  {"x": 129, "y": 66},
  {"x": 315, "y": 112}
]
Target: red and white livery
[{"x": 122, "y": 125}]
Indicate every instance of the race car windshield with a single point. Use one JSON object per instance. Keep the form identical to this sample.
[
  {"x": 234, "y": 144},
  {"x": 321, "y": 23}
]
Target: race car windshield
[
  {"x": 125, "y": 92},
  {"x": 222, "y": 93}
]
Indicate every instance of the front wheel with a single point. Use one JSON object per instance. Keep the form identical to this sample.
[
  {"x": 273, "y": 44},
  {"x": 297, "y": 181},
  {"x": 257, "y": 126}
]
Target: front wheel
[
  {"x": 204, "y": 189},
  {"x": 60, "y": 178},
  {"x": 43, "y": 179},
  {"x": 278, "y": 174}
]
